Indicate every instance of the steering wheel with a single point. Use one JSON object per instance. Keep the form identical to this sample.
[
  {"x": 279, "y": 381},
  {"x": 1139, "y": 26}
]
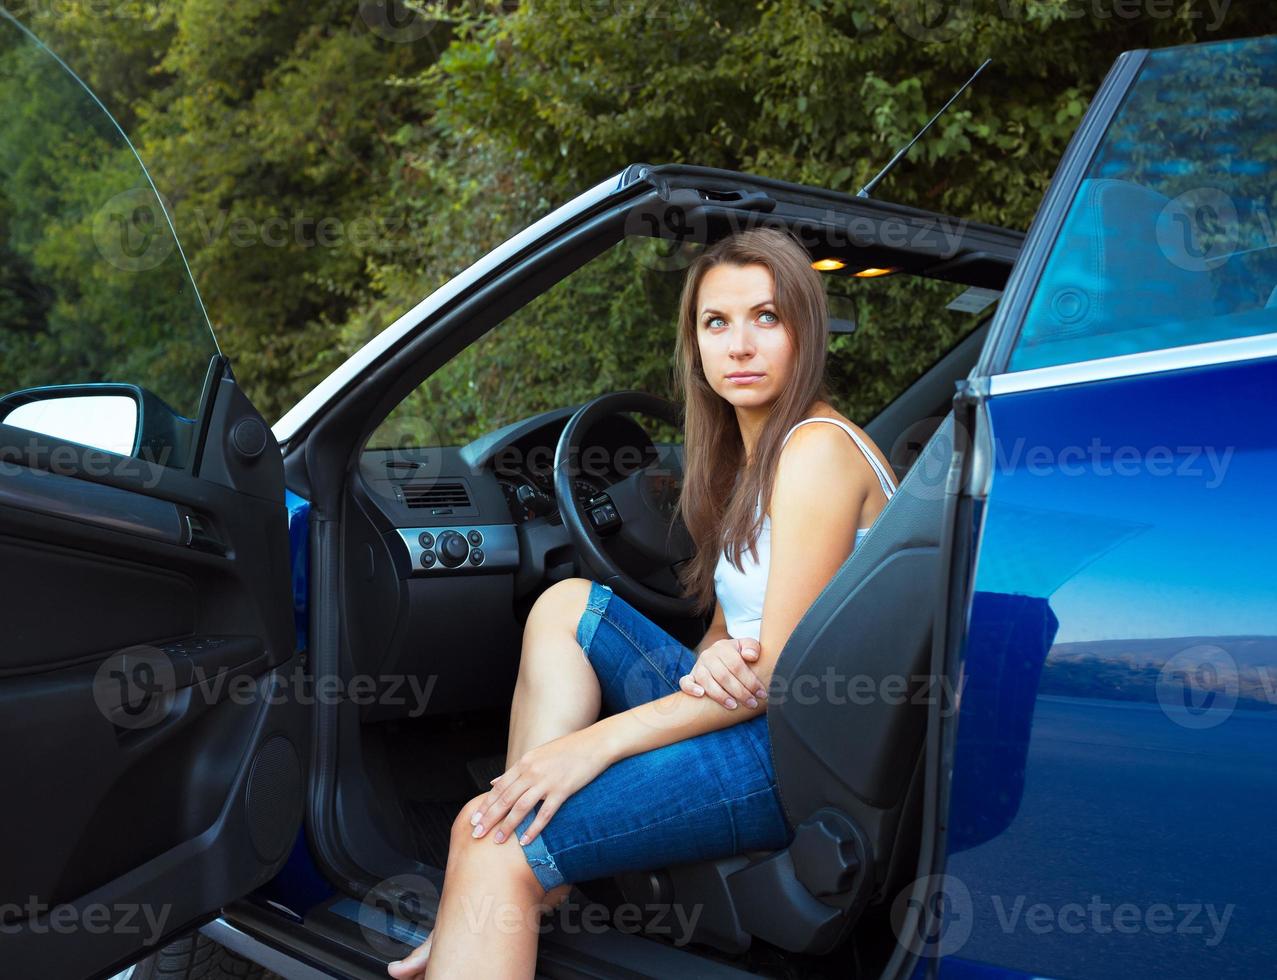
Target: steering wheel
[{"x": 641, "y": 510}]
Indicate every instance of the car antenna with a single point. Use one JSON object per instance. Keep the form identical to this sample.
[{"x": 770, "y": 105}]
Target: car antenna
[{"x": 865, "y": 191}]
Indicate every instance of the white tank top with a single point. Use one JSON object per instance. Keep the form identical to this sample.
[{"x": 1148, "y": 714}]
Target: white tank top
[{"x": 741, "y": 593}]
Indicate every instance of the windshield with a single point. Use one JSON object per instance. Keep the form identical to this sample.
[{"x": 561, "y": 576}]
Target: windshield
[{"x": 93, "y": 284}]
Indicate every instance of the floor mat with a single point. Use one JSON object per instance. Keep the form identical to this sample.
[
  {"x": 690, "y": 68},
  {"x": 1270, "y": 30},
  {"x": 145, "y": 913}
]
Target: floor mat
[
  {"x": 431, "y": 825},
  {"x": 484, "y": 769}
]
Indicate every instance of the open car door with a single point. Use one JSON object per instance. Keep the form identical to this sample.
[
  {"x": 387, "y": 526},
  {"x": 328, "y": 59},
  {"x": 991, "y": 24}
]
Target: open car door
[{"x": 153, "y": 759}]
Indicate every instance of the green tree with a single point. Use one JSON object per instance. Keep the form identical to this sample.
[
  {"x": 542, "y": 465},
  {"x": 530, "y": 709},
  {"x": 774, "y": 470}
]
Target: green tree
[{"x": 421, "y": 135}]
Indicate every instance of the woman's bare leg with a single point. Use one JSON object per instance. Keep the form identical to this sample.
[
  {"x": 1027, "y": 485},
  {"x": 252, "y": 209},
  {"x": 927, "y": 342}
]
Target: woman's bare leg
[
  {"x": 557, "y": 691},
  {"x": 489, "y": 912},
  {"x": 488, "y": 909}
]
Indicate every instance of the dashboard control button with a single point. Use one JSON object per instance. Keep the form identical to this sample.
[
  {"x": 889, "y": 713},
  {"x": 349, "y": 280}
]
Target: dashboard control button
[
  {"x": 476, "y": 556},
  {"x": 452, "y": 548},
  {"x": 427, "y": 540},
  {"x": 427, "y": 559},
  {"x": 475, "y": 538}
]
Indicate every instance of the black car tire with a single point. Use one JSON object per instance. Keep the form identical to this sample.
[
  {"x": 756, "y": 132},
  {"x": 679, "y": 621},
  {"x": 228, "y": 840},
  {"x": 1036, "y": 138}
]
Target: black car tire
[{"x": 196, "y": 957}]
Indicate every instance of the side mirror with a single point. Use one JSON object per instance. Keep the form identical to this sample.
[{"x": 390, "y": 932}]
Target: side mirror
[{"x": 119, "y": 418}]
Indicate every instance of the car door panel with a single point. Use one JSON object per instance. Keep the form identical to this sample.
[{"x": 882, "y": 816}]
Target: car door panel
[
  {"x": 1111, "y": 777},
  {"x": 145, "y": 691}
]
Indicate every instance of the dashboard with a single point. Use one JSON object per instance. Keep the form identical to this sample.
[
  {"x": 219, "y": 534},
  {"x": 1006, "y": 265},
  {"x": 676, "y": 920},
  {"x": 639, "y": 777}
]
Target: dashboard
[
  {"x": 490, "y": 505},
  {"x": 446, "y": 548},
  {"x": 529, "y": 489}
]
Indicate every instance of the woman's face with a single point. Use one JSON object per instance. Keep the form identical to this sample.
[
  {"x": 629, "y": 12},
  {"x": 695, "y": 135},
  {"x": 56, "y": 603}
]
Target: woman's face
[{"x": 745, "y": 349}]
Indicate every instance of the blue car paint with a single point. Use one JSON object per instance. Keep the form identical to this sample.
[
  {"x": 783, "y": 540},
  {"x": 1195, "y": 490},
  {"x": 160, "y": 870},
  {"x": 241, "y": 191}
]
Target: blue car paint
[
  {"x": 300, "y": 885},
  {"x": 1117, "y": 730},
  {"x": 299, "y": 556}
]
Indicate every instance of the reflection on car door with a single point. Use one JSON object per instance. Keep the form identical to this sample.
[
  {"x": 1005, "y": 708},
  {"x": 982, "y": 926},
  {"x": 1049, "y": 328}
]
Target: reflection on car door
[{"x": 1112, "y": 783}]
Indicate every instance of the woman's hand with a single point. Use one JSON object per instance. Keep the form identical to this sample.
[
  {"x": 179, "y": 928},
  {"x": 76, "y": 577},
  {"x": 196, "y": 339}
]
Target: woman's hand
[
  {"x": 722, "y": 671},
  {"x": 551, "y": 773}
]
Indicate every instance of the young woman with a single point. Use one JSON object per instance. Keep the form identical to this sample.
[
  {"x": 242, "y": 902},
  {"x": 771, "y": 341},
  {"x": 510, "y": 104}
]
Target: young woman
[{"x": 681, "y": 769}]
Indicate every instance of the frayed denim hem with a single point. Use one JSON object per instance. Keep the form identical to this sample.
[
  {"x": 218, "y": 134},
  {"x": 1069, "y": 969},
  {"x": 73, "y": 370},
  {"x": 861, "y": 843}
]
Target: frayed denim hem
[
  {"x": 543, "y": 866},
  {"x": 595, "y": 606}
]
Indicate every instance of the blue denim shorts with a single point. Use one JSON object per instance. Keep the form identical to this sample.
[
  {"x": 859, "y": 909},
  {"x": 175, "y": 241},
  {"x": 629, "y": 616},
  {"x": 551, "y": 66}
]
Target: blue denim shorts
[{"x": 710, "y": 796}]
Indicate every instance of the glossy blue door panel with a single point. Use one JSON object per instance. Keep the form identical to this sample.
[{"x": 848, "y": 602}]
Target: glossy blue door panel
[
  {"x": 1114, "y": 782},
  {"x": 299, "y": 553}
]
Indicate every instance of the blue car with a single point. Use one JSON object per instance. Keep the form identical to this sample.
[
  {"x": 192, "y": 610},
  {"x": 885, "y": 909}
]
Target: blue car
[{"x": 253, "y": 670}]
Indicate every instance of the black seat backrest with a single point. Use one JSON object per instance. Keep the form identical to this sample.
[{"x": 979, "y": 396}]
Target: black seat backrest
[{"x": 845, "y": 717}]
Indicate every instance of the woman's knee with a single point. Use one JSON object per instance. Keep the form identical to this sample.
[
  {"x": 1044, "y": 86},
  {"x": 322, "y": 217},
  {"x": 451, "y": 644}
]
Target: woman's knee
[
  {"x": 462, "y": 828},
  {"x": 561, "y": 605},
  {"x": 466, "y": 847}
]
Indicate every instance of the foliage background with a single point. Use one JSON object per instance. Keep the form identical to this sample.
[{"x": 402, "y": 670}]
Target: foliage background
[{"x": 395, "y": 144}]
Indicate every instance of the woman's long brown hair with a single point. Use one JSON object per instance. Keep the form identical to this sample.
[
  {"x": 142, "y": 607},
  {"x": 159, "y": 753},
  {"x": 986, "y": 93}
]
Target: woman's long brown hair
[{"x": 719, "y": 486}]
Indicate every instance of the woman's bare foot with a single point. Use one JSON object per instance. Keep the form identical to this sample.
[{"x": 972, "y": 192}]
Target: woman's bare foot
[{"x": 412, "y": 966}]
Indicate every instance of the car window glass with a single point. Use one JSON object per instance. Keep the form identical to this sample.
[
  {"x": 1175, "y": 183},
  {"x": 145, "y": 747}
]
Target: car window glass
[
  {"x": 93, "y": 287},
  {"x": 1170, "y": 239}
]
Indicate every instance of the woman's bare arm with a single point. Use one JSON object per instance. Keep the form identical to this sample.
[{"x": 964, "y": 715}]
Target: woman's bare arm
[
  {"x": 717, "y": 629},
  {"x": 822, "y": 482}
]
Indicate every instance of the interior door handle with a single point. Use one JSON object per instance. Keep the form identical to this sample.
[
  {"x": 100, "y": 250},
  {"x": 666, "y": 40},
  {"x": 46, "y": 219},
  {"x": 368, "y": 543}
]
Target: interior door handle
[{"x": 200, "y": 536}]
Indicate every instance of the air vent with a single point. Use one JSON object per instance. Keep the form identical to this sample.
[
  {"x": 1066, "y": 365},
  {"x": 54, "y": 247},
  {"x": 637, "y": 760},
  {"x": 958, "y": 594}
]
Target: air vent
[{"x": 452, "y": 495}]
